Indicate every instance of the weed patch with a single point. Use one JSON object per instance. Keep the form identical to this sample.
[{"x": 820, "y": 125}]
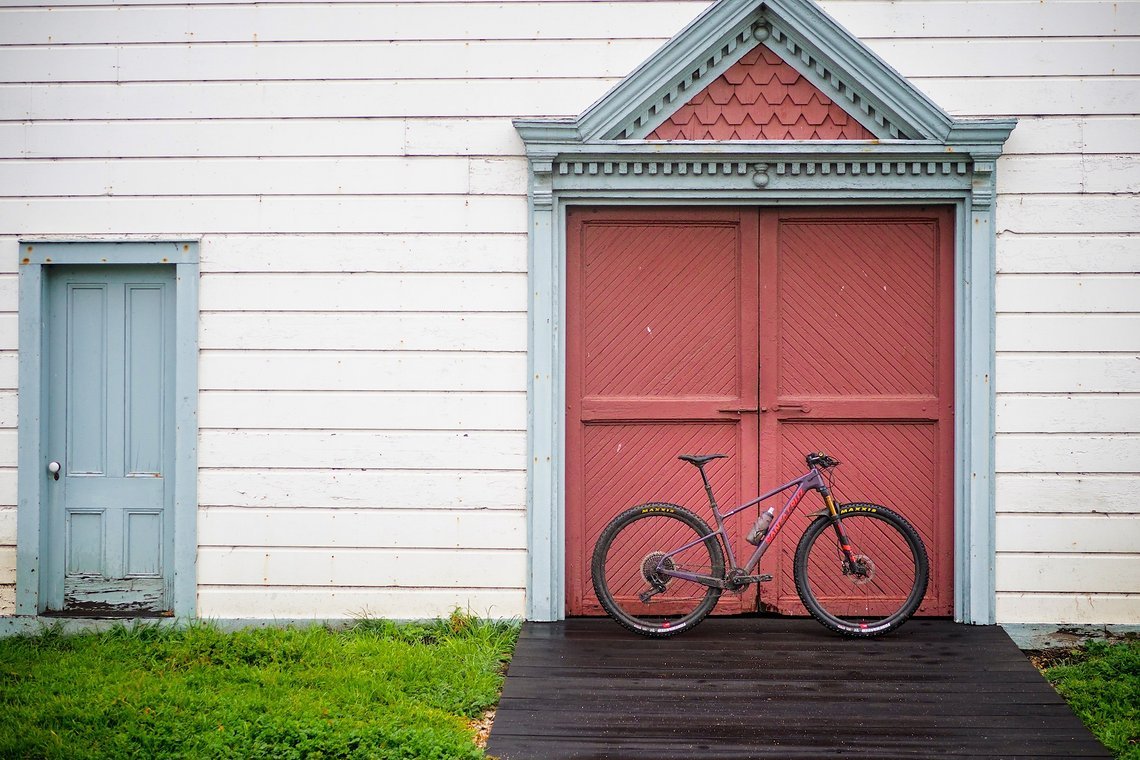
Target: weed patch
[
  {"x": 374, "y": 690},
  {"x": 1101, "y": 682}
]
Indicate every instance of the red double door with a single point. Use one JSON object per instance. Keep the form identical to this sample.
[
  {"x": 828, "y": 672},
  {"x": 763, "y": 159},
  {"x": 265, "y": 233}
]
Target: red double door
[{"x": 762, "y": 334}]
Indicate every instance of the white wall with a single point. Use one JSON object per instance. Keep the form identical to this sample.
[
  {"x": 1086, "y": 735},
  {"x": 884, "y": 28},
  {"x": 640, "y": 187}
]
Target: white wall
[{"x": 359, "y": 192}]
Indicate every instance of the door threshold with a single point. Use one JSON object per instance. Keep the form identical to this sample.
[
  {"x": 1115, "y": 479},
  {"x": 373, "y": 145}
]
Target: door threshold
[{"x": 107, "y": 614}]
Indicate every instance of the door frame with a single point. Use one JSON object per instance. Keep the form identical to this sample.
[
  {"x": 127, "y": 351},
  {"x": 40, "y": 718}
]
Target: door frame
[
  {"x": 31, "y": 538},
  {"x": 971, "y": 195}
]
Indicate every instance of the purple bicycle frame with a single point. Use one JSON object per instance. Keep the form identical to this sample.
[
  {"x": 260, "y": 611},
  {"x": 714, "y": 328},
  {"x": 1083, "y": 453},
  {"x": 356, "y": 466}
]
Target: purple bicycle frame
[{"x": 810, "y": 481}]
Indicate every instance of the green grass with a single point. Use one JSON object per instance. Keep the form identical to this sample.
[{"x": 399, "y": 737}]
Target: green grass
[
  {"x": 375, "y": 690},
  {"x": 1101, "y": 682}
]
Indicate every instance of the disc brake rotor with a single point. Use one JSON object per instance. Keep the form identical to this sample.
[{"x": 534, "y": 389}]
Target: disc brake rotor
[{"x": 864, "y": 571}]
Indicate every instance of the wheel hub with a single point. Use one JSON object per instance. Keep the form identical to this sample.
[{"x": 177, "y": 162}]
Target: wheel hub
[{"x": 863, "y": 571}]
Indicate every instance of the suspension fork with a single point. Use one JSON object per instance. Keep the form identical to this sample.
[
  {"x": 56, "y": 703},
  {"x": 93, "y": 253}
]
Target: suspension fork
[{"x": 837, "y": 524}]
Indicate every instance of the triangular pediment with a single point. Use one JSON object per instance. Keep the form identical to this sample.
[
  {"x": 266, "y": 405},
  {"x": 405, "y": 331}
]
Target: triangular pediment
[
  {"x": 845, "y": 76},
  {"x": 761, "y": 97}
]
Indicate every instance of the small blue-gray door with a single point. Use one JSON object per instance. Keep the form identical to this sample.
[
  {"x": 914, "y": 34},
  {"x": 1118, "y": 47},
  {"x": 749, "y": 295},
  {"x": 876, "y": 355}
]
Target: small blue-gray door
[{"x": 109, "y": 413}]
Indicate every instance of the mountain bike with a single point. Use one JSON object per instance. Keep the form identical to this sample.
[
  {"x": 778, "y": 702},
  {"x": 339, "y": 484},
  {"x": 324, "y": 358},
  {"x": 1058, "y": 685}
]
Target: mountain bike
[{"x": 860, "y": 569}]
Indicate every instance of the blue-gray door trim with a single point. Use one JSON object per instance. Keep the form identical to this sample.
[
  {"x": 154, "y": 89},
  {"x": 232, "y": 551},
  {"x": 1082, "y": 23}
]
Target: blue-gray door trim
[{"x": 31, "y": 582}]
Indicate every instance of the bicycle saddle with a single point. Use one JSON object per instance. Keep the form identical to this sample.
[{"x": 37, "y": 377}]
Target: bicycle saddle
[{"x": 700, "y": 459}]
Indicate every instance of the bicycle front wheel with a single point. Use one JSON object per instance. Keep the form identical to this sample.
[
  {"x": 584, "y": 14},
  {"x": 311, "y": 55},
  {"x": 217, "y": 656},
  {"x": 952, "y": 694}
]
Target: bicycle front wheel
[
  {"x": 627, "y": 564},
  {"x": 883, "y": 587}
]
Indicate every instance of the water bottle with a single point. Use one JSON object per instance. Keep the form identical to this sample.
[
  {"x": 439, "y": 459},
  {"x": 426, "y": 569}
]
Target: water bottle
[{"x": 756, "y": 535}]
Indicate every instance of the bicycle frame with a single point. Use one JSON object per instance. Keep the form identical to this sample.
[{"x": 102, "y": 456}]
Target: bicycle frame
[{"x": 810, "y": 481}]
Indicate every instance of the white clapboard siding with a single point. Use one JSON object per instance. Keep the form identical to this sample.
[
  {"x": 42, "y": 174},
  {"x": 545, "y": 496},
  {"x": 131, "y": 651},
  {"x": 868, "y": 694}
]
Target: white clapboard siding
[
  {"x": 1067, "y": 253},
  {"x": 259, "y": 176},
  {"x": 9, "y": 291},
  {"x": 7, "y": 564},
  {"x": 365, "y": 529},
  {"x": 1022, "y": 57},
  {"x": 232, "y": 602},
  {"x": 1081, "y": 573},
  {"x": 1028, "y": 175},
  {"x": 9, "y": 329},
  {"x": 7, "y": 526},
  {"x": 1086, "y": 534},
  {"x": 393, "y": 450},
  {"x": 1060, "y": 96},
  {"x": 8, "y": 486},
  {"x": 316, "y": 410},
  {"x": 1082, "y": 294},
  {"x": 361, "y": 371},
  {"x": 369, "y": 291},
  {"x": 363, "y": 331},
  {"x": 364, "y": 253},
  {"x": 7, "y": 448},
  {"x": 1085, "y": 213},
  {"x": 7, "y": 599},
  {"x": 193, "y": 216},
  {"x": 437, "y": 568},
  {"x": 1122, "y": 609},
  {"x": 985, "y": 18},
  {"x": 366, "y": 136},
  {"x": 261, "y": 61},
  {"x": 1020, "y": 452},
  {"x": 203, "y": 137},
  {"x": 1073, "y": 494},
  {"x": 9, "y": 368},
  {"x": 8, "y": 409},
  {"x": 336, "y": 99},
  {"x": 1103, "y": 413},
  {"x": 1068, "y": 373},
  {"x": 462, "y": 137},
  {"x": 9, "y": 257},
  {"x": 418, "y": 490},
  {"x": 335, "y": 21},
  {"x": 1063, "y": 332},
  {"x": 1090, "y": 135}
]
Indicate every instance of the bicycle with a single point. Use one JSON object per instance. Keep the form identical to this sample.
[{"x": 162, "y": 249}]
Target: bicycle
[{"x": 658, "y": 569}]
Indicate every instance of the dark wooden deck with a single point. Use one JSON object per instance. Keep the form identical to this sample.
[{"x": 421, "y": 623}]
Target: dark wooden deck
[{"x": 778, "y": 687}]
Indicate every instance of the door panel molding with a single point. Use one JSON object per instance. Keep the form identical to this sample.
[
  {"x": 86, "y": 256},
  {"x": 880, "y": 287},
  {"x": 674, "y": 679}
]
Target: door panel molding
[{"x": 32, "y": 577}]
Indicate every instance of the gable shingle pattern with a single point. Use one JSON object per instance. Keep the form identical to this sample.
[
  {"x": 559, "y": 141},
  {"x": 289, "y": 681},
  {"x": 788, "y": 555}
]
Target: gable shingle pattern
[{"x": 761, "y": 98}]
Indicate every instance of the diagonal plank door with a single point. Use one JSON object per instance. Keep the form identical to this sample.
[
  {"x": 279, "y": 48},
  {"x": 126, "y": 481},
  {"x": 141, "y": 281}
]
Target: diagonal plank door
[
  {"x": 661, "y": 337},
  {"x": 857, "y": 356},
  {"x": 835, "y": 325}
]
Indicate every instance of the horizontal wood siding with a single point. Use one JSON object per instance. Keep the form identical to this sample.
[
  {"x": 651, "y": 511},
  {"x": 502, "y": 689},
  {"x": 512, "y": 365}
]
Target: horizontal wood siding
[{"x": 360, "y": 195}]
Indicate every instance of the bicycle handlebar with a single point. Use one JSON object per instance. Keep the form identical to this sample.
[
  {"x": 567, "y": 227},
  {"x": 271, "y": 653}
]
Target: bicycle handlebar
[{"x": 819, "y": 459}]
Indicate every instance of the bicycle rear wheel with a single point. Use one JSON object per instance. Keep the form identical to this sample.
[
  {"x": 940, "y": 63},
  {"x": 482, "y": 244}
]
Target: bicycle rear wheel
[
  {"x": 884, "y": 587},
  {"x": 627, "y": 561}
]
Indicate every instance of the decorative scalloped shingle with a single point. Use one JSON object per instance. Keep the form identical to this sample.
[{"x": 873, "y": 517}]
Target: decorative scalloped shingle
[{"x": 760, "y": 98}]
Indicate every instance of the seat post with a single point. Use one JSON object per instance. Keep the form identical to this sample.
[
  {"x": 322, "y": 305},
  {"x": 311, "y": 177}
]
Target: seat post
[{"x": 708, "y": 489}]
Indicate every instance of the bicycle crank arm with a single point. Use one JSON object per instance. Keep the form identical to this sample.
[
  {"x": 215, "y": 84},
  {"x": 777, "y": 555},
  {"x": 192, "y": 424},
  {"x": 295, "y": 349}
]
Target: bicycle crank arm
[{"x": 754, "y": 578}]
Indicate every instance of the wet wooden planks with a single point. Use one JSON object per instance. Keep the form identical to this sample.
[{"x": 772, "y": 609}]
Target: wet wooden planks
[{"x": 778, "y": 687}]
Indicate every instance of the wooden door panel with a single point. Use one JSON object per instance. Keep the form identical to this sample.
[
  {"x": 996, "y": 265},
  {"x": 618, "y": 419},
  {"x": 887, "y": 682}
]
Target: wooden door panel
[
  {"x": 894, "y": 464},
  {"x": 632, "y": 463},
  {"x": 837, "y": 323},
  {"x": 857, "y": 360},
  {"x": 110, "y": 364},
  {"x": 661, "y": 338}
]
